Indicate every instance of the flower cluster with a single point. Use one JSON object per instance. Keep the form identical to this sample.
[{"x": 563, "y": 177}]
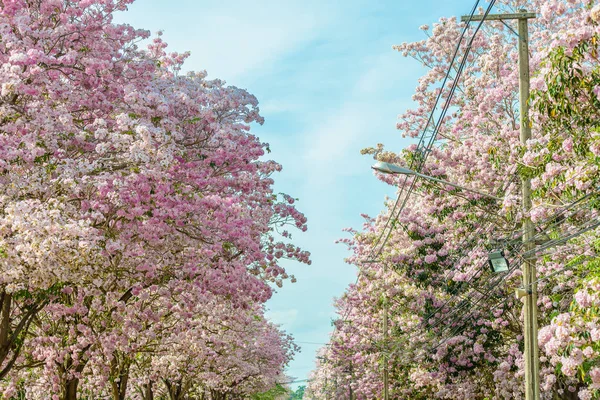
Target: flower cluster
[
  {"x": 139, "y": 232},
  {"x": 455, "y": 329}
]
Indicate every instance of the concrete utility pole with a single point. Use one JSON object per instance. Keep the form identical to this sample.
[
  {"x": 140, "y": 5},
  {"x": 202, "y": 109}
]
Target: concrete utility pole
[{"x": 532, "y": 360}]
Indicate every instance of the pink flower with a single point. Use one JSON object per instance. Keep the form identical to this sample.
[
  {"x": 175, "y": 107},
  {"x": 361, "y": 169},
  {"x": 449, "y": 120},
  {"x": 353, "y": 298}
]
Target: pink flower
[
  {"x": 478, "y": 348},
  {"x": 545, "y": 334},
  {"x": 595, "y": 375},
  {"x": 595, "y": 13},
  {"x": 430, "y": 258},
  {"x": 569, "y": 366},
  {"x": 583, "y": 298},
  {"x": 568, "y": 145}
]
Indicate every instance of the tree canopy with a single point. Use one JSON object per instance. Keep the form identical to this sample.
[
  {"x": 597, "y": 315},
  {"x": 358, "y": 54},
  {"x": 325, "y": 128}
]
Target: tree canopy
[{"x": 455, "y": 328}]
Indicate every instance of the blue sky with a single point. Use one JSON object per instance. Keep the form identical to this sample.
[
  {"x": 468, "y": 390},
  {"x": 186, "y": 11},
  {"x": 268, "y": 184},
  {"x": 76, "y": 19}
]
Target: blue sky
[{"x": 329, "y": 84}]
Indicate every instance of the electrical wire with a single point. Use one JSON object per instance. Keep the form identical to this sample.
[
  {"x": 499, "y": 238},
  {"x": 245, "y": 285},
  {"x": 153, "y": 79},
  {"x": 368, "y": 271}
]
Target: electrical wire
[
  {"x": 465, "y": 303},
  {"x": 587, "y": 227},
  {"x": 427, "y": 125},
  {"x": 437, "y": 127},
  {"x": 374, "y": 254},
  {"x": 554, "y": 217},
  {"x": 378, "y": 245},
  {"x": 425, "y": 151},
  {"x": 515, "y": 244}
]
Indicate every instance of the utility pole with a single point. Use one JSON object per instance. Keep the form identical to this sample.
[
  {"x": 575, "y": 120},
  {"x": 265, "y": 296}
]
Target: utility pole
[{"x": 532, "y": 360}]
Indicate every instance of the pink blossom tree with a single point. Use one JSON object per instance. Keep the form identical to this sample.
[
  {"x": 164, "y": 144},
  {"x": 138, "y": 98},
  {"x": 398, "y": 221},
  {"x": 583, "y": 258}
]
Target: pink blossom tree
[
  {"x": 455, "y": 330},
  {"x": 123, "y": 179}
]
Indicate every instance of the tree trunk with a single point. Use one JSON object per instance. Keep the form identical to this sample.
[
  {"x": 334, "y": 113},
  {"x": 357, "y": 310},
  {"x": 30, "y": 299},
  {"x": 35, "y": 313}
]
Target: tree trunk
[
  {"x": 119, "y": 389},
  {"x": 13, "y": 330},
  {"x": 148, "y": 392},
  {"x": 5, "y": 342},
  {"x": 70, "y": 382},
  {"x": 178, "y": 390},
  {"x": 5, "y": 303},
  {"x": 566, "y": 395},
  {"x": 218, "y": 395},
  {"x": 71, "y": 389},
  {"x": 172, "y": 389}
]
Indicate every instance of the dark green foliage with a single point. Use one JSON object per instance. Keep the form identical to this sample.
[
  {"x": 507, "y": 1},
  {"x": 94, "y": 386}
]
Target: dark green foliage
[{"x": 298, "y": 394}]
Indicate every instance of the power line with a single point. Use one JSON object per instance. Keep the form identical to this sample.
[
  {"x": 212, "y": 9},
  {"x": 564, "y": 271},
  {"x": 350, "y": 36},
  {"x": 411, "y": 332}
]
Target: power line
[
  {"x": 297, "y": 381},
  {"x": 465, "y": 303},
  {"x": 316, "y": 343},
  {"x": 374, "y": 254},
  {"x": 420, "y": 145},
  {"x": 553, "y": 217},
  {"x": 437, "y": 127},
  {"x": 585, "y": 227},
  {"x": 423, "y": 151},
  {"x": 493, "y": 283},
  {"x": 439, "y": 122}
]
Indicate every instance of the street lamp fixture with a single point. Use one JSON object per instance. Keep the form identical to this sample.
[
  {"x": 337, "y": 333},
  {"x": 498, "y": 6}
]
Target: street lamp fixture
[
  {"x": 394, "y": 169},
  {"x": 497, "y": 261}
]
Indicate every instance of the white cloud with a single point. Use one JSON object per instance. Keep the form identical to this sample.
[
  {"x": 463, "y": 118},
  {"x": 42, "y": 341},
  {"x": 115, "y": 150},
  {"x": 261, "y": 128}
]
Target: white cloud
[
  {"x": 333, "y": 140},
  {"x": 333, "y": 145},
  {"x": 285, "y": 318},
  {"x": 233, "y": 38},
  {"x": 385, "y": 69},
  {"x": 271, "y": 107}
]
